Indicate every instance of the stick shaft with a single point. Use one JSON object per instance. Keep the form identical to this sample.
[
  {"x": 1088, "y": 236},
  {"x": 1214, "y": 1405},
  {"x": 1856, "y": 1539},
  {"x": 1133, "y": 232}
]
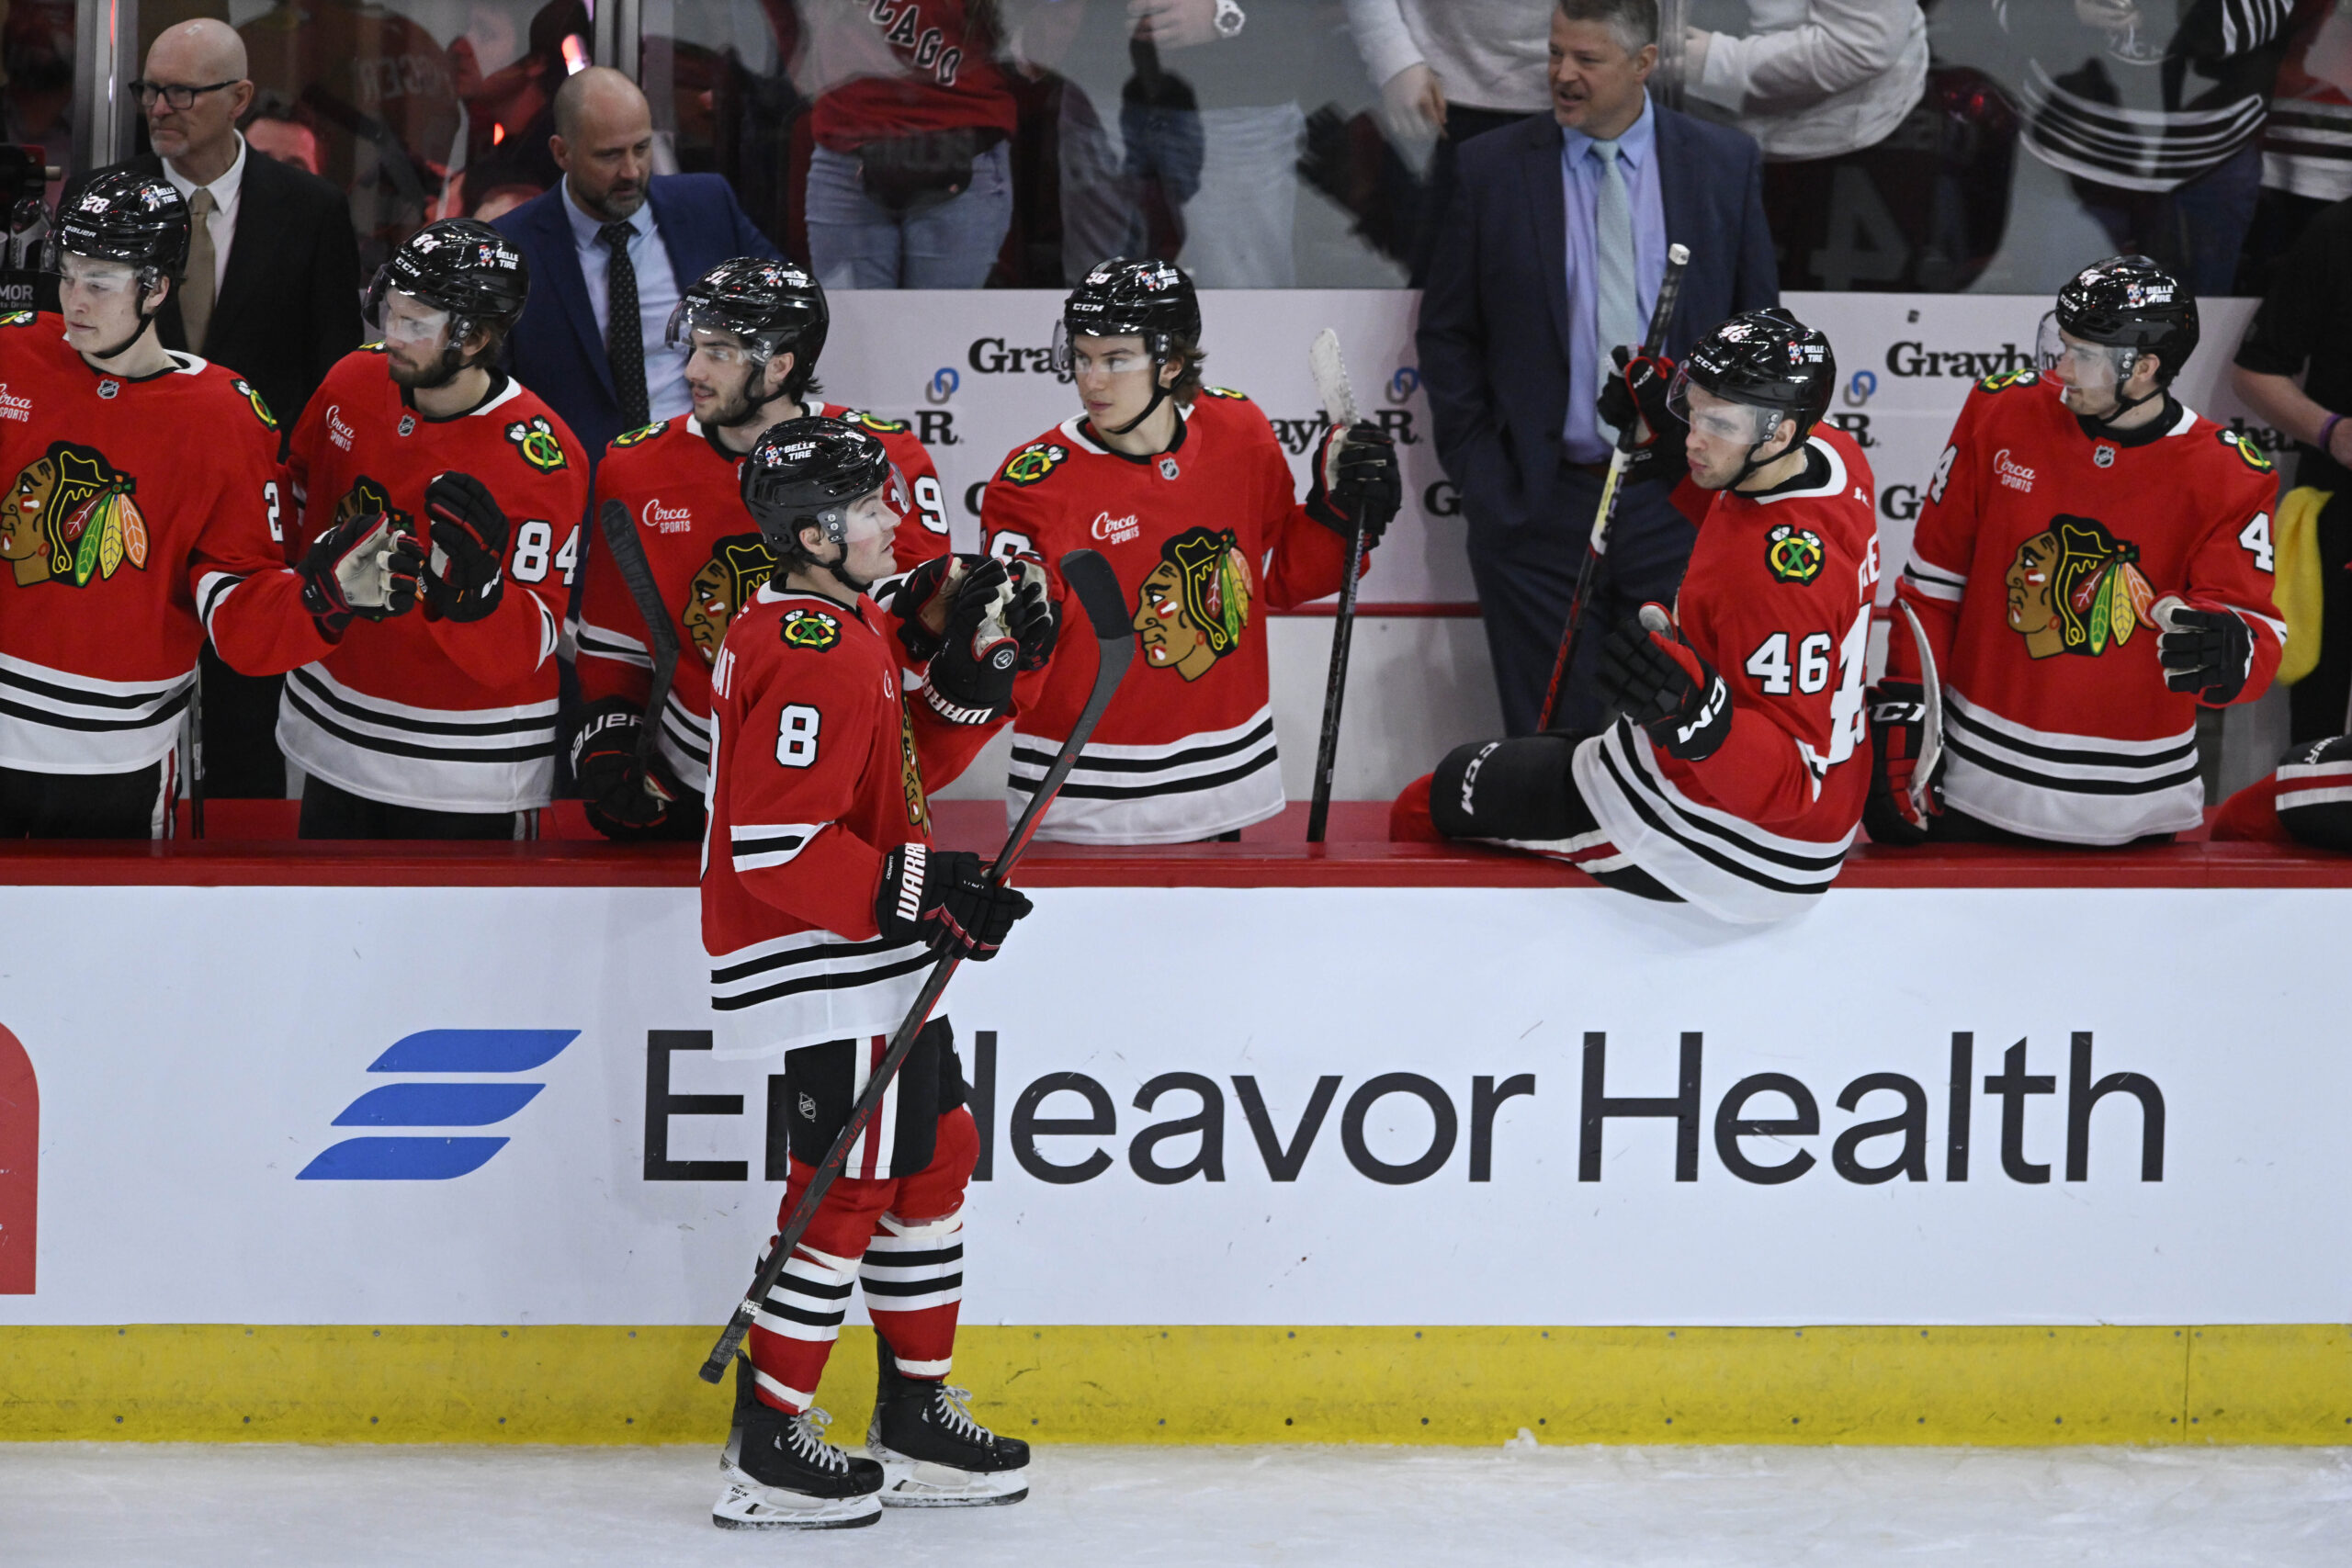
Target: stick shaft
[
  {"x": 1335, "y": 690},
  {"x": 660, "y": 637}
]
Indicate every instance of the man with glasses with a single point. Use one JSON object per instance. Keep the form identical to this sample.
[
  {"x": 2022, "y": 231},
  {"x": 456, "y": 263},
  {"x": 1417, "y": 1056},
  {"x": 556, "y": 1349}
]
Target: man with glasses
[
  {"x": 278, "y": 312},
  {"x": 440, "y": 723},
  {"x": 2092, "y": 566},
  {"x": 146, "y": 506},
  {"x": 748, "y": 334}
]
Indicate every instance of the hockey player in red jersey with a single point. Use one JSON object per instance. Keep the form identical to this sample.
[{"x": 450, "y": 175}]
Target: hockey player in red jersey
[
  {"x": 824, "y": 906},
  {"x": 442, "y": 724},
  {"x": 145, "y": 506},
  {"x": 752, "y": 331},
  {"x": 2074, "y": 508},
  {"x": 1184, "y": 489},
  {"x": 1735, "y": 778}
]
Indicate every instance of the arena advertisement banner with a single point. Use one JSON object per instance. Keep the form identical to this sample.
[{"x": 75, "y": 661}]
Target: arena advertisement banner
[
  {"x": 1212, "y": 1106},
  {"x": 973, "y": 374}
]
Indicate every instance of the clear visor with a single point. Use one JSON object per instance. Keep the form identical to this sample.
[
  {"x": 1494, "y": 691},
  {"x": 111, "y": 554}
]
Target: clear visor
[
  {"x": 1103, "y": 355},
  {"x": 401, "y": 317},
  {"x": 875, "y": 514},
  {"x": 1720, "y": 419},
  {"x": 698, "y": 329},
  {"x": 97, "y": 275},
  {"x": 2084, "y": 366}
]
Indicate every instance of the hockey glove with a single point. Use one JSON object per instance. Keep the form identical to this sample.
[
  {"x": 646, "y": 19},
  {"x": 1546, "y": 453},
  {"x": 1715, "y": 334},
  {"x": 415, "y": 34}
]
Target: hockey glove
[
  {"x": 367, "y": 566},
  {"x": 969, "y": 681},
  {"x": 921, "y": 601},
  {"x": 625, "y": 798},
  {"x": 1898, "y": 711},
  {"x": 1356, "y": 479},
  {"x": 468, "y": 542},
  {"x": 1634, "y": 398},
  {"x": 1650, "y": 674},
  {"x": 944, "y": 897},
  {"x": 1031, "y": 618},
  {"x": 2209, "y": 652}
]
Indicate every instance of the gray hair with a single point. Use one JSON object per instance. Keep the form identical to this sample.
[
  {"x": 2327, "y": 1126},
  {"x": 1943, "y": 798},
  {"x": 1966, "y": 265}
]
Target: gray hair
[{"x": 1633, "y": 21}]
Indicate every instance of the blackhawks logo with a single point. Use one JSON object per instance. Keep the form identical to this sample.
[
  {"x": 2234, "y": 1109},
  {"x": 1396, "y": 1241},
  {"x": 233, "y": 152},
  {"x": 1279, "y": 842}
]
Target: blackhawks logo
[
  {"x": 879, "y": 425},
  {"x": 70, "y": 518},
  {"x": 811, "y": 629},
  {"x": 1227, "y": 392},
  {"x": 17, "y": 319},
  {"x": 738, "y": 564},
  {"x": 1793, "y": 554},
  {"x": 2075, "y": 588},
  {"x": 2242, "y": 445},
  {"x": 365, "y": 496},
  {"x": 1033, "y": 463},
  {"x": 643, "y": 433},
  {"x": 2007, "y": 379},
  {"x": 260, "y": 409},
  {"x": 535, "y": 438},
  {"x": 1192, "y": 609}
]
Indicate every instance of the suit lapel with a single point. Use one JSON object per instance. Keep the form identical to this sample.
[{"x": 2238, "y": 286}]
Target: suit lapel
[
  {"x": 570, "y": 286},
  {"x": 258, "y": 217},
  {"x": 1548, "y": 210}
]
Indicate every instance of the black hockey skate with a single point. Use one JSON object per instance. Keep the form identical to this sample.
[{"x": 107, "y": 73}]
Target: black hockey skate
[
  {"x": 933, "y": 1454},
  {"x": 781, "y": 1474}
]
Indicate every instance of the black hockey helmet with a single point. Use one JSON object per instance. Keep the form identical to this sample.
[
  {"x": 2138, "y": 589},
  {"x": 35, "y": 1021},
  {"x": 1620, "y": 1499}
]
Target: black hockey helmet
[
  {"x": 2131, "y": 302},
  {"x": 812, "y": 470},
  {"x": 466, "y": 269},
  {"x": 1766, "y": 359},
  {"x": 773, "y": 306},
  {"x": 1151, "y": 299},
  {"x": 124, "y": 217}
]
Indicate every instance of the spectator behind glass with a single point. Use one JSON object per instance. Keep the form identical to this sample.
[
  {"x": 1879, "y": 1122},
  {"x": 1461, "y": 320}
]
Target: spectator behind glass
[
  {"x": 1450, "y": 70},
  {"x": 2304, "y": 329},
  {"x": 910, "y": 184},
  {"x": 2306, "y": 143},
  {"x": 510, "y": 100},
  {"x": 36, "y": 78},
  {"x": 276, "y": 129},
  {"x": 2157, "y": 120}
]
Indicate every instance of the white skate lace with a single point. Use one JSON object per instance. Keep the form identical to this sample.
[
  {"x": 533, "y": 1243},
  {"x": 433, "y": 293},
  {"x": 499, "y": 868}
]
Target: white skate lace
[
  {"x": 954, "y": 1410},
  {"x": 805, "y": 1432}
]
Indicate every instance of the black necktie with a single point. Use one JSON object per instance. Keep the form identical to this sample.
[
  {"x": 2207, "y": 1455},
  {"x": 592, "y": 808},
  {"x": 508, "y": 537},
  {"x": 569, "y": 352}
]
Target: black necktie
[{"x": 624, "y": 335}]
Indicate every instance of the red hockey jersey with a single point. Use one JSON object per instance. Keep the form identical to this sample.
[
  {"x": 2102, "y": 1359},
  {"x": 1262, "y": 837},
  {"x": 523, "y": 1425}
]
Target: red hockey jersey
[
  {"x": 707, "y": 557},
  {"x": 902, "y": 68},
  {"x": 819, "y": 768},
  {"x": 2039, "y": 554},
  {"x": 1778, "y": 599},
  {"x": 421, "y": 711},
  {"x": 143, "y": 515},
  {"x": 1204, "y": 539}
]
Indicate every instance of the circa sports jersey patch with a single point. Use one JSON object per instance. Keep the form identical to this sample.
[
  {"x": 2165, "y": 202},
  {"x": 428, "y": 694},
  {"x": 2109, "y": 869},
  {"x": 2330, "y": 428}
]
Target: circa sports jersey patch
[
  {"x": 1192, "y": 610},
  {"x": 811, "y": 629},
  {"x": 260, "y": 409},
  {"x": 2075, "y": 588},
  {"x": 2003, "y": 380},
  {"x": 1031, "y": 464},
  {"x": 2255, "y": 458},
  {"x": 1793, "y": 554},
  {"x": 641, "y": 434},
  {"x": 535, "y": 438},
  {"x": 70, "y": 518}
]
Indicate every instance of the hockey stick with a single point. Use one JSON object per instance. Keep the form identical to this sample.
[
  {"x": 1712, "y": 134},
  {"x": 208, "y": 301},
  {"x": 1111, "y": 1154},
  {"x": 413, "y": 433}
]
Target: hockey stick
[
  {"x": 1931, "y": 724},
  {"x": 1090, "y": 578},
  {"x": 1339, "y": 407},
  {"x": 196, "y": 754},
  {"x": 1669, "y": 290},
  {"x": 661, "y": 637}
]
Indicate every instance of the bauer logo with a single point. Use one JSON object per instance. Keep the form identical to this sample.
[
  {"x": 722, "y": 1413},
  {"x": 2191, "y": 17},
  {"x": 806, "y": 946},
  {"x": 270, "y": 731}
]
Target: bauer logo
[{"x": 425, "y": 1104}]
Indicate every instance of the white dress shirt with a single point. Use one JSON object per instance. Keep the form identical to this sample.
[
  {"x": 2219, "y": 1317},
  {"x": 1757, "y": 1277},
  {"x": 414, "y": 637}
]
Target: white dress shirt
[
  {"x": 657, "y": 296},
  {"x": 221, "y": 226}
]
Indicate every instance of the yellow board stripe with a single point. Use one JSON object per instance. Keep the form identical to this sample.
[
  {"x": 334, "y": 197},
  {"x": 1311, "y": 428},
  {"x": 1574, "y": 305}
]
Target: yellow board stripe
[{"x": 474, "y": 1384}]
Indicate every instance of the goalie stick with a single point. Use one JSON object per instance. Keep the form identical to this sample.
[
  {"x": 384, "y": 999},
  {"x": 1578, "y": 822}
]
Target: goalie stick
[
  {"x": 1340, "y": 407},
  {"x": 1669, "y": 290},
  {"x": 1090, "y": 580},
  {"x": 660, "y": 637}
]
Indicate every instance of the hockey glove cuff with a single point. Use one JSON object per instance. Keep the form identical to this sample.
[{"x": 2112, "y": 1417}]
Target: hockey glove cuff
[
  {"x": 1634, "y": 398},
  {"x": 1356, "y": 480},
  {"x": 624, "y": 797},
  {"x": 1650, "y": 674},
  {"x": 1898, "y": 712},
  {"x": 921, "y": 602},
  {"x": 1033, "y": 618},
  {"x": 944, "y": 897},
  {"x": 2209, "y": 652},
  {"x": 969, "y": 681},
  {"x": 367, "y": 566},
  {"x": 469, "y": 540}
]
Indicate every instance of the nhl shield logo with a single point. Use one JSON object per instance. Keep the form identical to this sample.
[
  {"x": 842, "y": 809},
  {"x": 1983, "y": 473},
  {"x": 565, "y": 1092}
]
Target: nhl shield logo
[
  {"x": 407, "y": 424},
  {"x": 1167, "y": 468},
  {"x": 109, "y": 389},
  {"x": 2103, "y": 456}
]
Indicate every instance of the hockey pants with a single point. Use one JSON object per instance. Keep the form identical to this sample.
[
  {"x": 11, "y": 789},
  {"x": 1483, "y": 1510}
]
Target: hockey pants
[{"x": 902, "y": 1238}]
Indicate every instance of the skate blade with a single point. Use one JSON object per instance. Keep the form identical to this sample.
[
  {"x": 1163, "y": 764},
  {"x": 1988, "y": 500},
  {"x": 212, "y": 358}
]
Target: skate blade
[
  {"x": 911, "y": 1483},
  {"x": 748, "y": 1506}
]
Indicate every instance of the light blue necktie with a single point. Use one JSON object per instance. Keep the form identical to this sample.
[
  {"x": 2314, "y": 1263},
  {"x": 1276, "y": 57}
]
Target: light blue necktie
[{"x": 1620, "y": 310}]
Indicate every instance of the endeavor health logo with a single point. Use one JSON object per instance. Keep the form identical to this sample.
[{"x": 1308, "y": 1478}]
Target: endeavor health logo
[{"x": 438, "y": 1156}]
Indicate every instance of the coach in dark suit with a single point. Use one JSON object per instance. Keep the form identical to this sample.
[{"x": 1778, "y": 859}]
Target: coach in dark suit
[
  {"x": 1551, "y": 253},
  {"x": 611, "y": 232}
]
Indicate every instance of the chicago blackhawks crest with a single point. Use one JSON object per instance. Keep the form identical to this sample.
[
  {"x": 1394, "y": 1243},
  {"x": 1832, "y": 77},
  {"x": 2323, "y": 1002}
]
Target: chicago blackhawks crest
[
  {"x": 1031, "y": 464},
  {"x": 1793, "y": 554},
  {"x": 2075, "y": 587},
  {"x": 810, "y": 629},
  {"x": 535, "y": 438},
  {"x": 1192, "y": 610},
  {"x": 642, "y": 434},
  {"x": 70, "y": 518},
  {"x": 260, "y": 409}
]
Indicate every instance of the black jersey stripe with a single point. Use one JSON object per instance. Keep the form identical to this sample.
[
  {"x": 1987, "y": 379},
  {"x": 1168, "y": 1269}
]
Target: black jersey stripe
[
  {"x": 922, "y": 959},
  {"x": 2038, "y": 779},
  {"x": 80, "y": 696},
  {"x": 1728, "y": 835},
  {"x": 2072, "y": 756},
  {"x": 1042, "y": 757},
  {"x": 1714, "y": 857},
  {"x": 56, "y": 720},
  {"x": 300, "y": 700},
  {"x": 1073, "y": 791},
  {"x": 813, "y": 953},
  {"x": 931, "y": 1287},
  {"x": 453, "y": 726}
]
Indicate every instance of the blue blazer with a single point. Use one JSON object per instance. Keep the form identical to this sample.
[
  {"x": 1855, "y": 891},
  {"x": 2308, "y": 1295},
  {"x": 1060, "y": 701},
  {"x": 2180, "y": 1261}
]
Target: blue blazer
[
  {"x": 1494, "y": 326},
  {"x": 555, "y": 349}
]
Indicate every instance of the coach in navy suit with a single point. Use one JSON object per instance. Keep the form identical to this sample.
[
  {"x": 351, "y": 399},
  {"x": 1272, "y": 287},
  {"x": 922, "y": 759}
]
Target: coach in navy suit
[
  {"x": 1552, "y": 252},
  {"x": 613, "y": 229}
]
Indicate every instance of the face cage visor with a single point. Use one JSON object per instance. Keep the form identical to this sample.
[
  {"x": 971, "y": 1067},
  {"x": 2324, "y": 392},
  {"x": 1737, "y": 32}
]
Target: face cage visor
[
  {"x": 1719, "y": 418},
  {"x": 2098, "y": 368}
]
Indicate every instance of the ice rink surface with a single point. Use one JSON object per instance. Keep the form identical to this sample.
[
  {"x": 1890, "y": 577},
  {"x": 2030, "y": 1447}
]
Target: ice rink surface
[{"x": 63, "y": 1506}]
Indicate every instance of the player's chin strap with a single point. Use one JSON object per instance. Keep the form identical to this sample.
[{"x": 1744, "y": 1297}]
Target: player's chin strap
[
  {"x": 1747, "y": 469},
  {"x": 1158, "y": 392},
  {"x": 146, "y": 320},
  {"x": 2097, "y": 425}
]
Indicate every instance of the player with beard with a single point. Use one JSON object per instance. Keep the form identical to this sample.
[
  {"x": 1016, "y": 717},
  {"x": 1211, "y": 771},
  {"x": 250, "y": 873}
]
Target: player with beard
[
  {"x": 440, "y": 725},
  {"x": 750, "y": 331}
]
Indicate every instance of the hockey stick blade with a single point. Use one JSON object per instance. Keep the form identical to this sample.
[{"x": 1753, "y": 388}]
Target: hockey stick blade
[
  {"x": 628, "y": 559},
  {"x": 1089, "y": 577},
  {"x": 1931, "y": 724},
  {"x": 1332, "y": 387}
]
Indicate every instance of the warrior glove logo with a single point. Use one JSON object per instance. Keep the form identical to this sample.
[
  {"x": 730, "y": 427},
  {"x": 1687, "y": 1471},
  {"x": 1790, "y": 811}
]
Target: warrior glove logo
[
  {"x": 1793, "y": 554},
  {"x": 535, "y": 438}
]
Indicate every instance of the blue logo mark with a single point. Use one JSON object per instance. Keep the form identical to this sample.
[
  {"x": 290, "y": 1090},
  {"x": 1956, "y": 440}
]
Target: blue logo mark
[
  {"x": 1860, "y": 388},
  {"x": 381, "y": 1159},
  {"x": 1404, "y": 384},
  {"x": 944, "y": 382}
]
